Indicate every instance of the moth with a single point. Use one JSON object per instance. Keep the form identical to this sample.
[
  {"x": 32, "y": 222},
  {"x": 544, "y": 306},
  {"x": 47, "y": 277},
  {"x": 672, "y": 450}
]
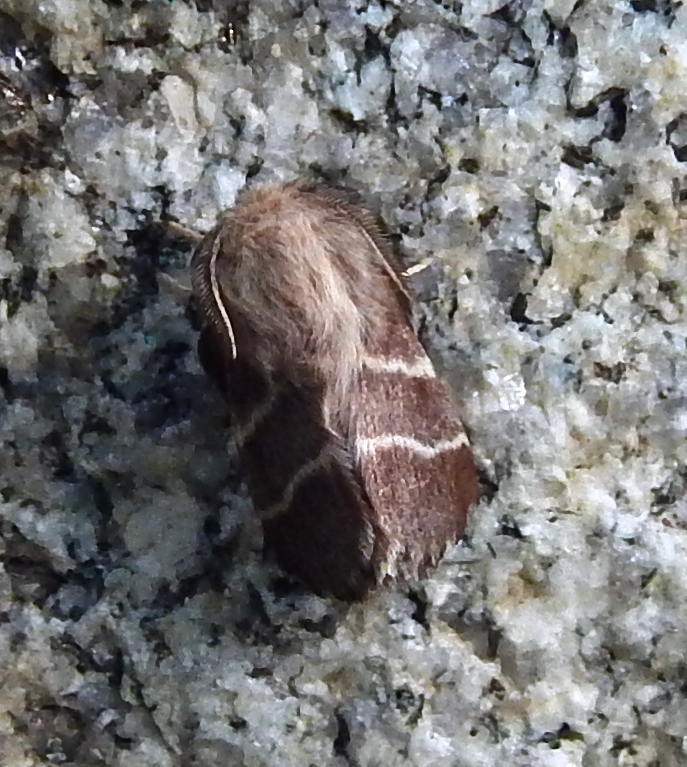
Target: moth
[{"x": 353, "y": 451}]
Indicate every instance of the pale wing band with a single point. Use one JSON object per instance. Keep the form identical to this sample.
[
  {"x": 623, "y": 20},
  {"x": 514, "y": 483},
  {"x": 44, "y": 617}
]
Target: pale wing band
[
  {"x": 420, "y": 367},
  {"x": 245, "y": 431},
  {"x": 373, "y": 445},
  {"x": 299, "y": 477}
]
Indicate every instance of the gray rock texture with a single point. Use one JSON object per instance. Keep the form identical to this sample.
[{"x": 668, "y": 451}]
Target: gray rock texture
[{"x": 534, "y": 155}]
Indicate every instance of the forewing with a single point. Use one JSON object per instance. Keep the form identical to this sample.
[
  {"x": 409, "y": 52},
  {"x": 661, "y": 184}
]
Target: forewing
[
  {"x": 413, "y": 453},
  {"x": 302, "y": 478}
]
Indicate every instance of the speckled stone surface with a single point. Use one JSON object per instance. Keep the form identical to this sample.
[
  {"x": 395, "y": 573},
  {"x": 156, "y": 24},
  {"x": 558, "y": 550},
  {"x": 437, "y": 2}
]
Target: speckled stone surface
[{"x": 535, "y": 156}]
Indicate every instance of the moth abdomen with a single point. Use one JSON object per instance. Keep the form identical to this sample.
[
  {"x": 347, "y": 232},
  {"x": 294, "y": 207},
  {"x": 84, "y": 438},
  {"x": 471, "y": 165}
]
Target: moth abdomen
[{"x": 354, "y": 452}]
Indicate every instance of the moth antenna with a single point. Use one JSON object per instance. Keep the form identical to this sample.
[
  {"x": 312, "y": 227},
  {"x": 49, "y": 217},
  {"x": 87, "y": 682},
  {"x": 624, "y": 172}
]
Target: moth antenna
[
  {"x": 217, "y": 296},
  {"x": 391, "y": 273},
  {"x": 416, "y": 269},
  {"x": 179, "y": 288},
  {"x": 184, "y": 232}
]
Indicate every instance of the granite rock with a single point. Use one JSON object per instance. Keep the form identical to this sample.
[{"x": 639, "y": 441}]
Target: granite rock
[{"x": 533, "y": 155}]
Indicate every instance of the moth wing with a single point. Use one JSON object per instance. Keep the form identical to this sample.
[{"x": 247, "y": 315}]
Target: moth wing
[
  {"x": 413, "y": 454},
  {"x": 315, "y": 513}
]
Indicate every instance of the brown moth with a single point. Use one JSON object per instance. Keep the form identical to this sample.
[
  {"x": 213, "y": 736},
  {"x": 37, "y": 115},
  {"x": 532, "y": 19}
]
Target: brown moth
[{"x": 354, "y": 454}]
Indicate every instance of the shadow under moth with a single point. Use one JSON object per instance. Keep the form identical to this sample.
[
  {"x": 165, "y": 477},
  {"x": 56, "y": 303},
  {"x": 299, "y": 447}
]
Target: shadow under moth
[{"x": 353, "y": 451}]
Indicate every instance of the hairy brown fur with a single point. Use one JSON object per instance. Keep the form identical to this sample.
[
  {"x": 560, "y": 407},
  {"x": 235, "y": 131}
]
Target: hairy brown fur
[{"x": 299, "y": 285}]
